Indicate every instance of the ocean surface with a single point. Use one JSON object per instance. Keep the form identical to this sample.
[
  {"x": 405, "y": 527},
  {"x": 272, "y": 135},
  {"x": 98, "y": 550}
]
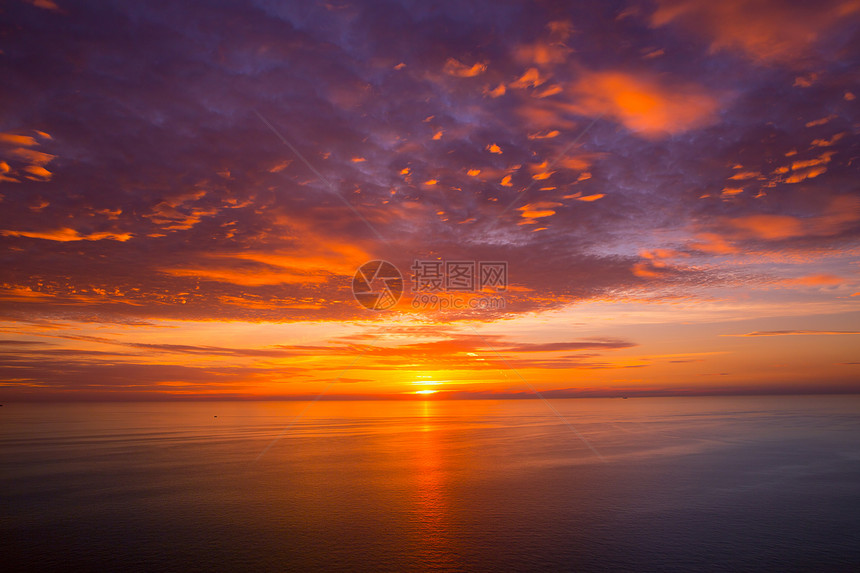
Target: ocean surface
[{"x": 642, "y": 484}]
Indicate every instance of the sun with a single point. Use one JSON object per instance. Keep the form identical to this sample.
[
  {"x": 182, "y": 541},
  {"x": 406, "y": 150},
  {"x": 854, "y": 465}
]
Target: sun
[{"x": 426, "y": 391}]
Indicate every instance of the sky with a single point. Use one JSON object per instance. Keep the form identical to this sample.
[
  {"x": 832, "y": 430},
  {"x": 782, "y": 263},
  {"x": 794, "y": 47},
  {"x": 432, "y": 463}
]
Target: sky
[{"x": 188, "y": 189}]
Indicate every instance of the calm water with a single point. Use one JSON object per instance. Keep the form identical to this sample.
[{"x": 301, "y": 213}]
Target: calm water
[{"x": 753, "y": 483}]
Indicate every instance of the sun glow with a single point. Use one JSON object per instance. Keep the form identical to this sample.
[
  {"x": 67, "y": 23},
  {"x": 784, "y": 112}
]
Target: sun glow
[{"x": 426, "y": 391}]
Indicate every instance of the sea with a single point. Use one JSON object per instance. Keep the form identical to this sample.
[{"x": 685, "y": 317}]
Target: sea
[{"x": 753, "y": 483}]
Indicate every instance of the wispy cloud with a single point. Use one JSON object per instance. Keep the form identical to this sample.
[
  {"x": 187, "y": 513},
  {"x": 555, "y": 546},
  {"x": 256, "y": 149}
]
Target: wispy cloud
[{"x": 795, "y": 333}]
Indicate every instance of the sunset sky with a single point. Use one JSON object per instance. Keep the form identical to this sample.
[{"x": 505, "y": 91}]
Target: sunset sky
[{"x": 188, "y": 188}]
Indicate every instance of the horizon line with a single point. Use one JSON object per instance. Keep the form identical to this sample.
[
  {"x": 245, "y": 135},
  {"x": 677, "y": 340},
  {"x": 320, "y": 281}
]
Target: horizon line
[{"x": 428, "y": 398}]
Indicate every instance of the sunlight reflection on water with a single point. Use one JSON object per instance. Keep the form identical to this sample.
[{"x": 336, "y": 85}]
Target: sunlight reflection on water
[{"x": 754, "y": 482}]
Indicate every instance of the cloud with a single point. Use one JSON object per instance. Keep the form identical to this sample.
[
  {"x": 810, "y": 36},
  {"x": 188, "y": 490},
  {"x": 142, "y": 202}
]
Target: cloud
[
  {"x": 22, "y": 162},
  {"x": 45, "y": 4},
  {"x": 66, "y": 234},
  {"x": 538, "y": 210},
  {"x": 158, "y": 369},
  {"x": 211, "y": 350},
  {"x": 817, "y": 280},
  {"x": 766, "y": 31},
  {"x": 181, "y": 212},
  {"x": 568, "y": 346},
  {"x": 454, "y": 67},
  {"x": 796, "y": 333},
  {"x": 644, "y": 103},
  {"x": 531, "y": 78},
  {"x": 589, "y": 198},
  {"x": 95, "y": 376},
  {"x": 250, "y": 275},
  {"x": 727, "y": 235},
  {"x": 468, "y": 351},
  {"x": 551, "y": 49},
  {"x": 768, "y": 226}
]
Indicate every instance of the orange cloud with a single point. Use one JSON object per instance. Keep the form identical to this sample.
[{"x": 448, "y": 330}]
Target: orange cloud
[
  {"x": 767, "y": 31},
  {"x": 643, "y": 103},
  {"x": 645, "y": 271},
  {"x": 37, "y": 172},
  {"x": 805, "y": 81},
  {"x": 713, "y": 243},
  {"x": 817, "y": 280},
  {"x": 65, "y": 235},
  {"x": 31, "y": 156},
  {"x": 655, "y": 264},
  {"x": 795, "y": 333},
  {"x": 769, "y": 226},
  {"x": 317, "y": 255},
  {"x": 828, "y": 142},
  {"x": 745, "y": 175},
  {"x": 10, "y": 293},
  {"x": 16, "y": 148},
  {"x": 539, "y": 209},
  {"x": 580, "y": 162},
  {"x": 842, "y": 212},
  {"x": 308, "y": 259},
  {"x": 807, "y": 174},
  {"x": 267, "y": 304},
  {"x": 542, "y": 53},
  {"x": 545, "y": 135},
  {"x": 45, "y": 4},
  {"x": 823, "y": 159},
  {"x": 15, "y": 139},
  {"x": 245, "y": 277},
  {"x": 176, "y": 214},
  {"x": 550, "y": 91},
  {"x": 531, "y": 78},
  {"x": 657, "y": 254},
  {"x": 551, "y": 50},
  {"x": 594, "y": 197},
  {"x": 455, "y": 68},
  {"x": 280, "y": 166},
  {"x": 821, "y": 121},
  {"x": 176, "y": 220},
  {"x": 498, "y": 91}
]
